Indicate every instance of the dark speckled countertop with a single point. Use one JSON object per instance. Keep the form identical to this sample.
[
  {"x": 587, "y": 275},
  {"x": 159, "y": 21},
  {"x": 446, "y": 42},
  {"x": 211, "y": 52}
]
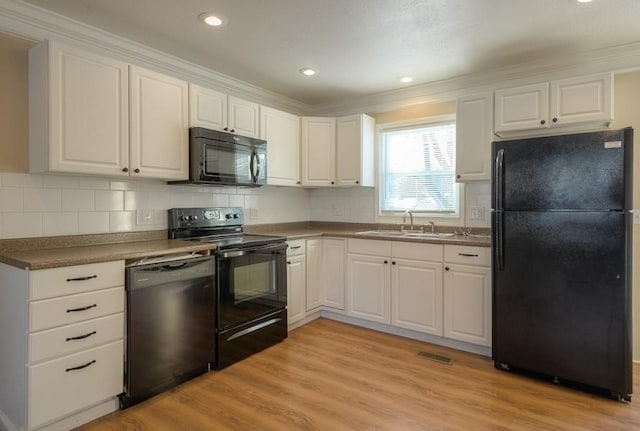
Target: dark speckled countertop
[{"x": 53, "y": 252}]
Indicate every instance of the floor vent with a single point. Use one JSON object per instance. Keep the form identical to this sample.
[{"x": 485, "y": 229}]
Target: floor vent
[{"x": 434, "y": 357}]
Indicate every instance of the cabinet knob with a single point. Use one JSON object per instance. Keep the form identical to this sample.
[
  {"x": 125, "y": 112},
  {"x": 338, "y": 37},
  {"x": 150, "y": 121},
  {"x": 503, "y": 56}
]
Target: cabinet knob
[
  {"x": 297, "y": 182},
  {"x": 233, "y": 130},
  {"x": 446, "y": 268},
  {"x": 357, "y": 182},
  {"x": 125, "y": 169},
  {"x": 555, "y": 120},
  {"x": 543, "y": 122},
  {"x": 393, "y": 262},
  {"x": 288, "y": 262},
  {"x": 226, "y": 129},
  {"x": 332, "y": 182},
  {"x": 386, "y": 261},
  {"x": 458, "y": 176},
  {"x": 137, "y": 171}
]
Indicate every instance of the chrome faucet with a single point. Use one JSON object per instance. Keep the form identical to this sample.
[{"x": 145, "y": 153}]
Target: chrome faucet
[
  {"x": 404, "y": 218},
  {"x": 433, "y": 226}
]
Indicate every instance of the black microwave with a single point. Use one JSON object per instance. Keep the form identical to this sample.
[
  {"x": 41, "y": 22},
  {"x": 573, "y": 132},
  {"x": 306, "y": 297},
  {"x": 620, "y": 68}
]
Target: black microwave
[{"x": 220, "y": 158}]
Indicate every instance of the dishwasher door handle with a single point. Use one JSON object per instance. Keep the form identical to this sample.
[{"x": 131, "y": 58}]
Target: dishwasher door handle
[{"x": 254, "y": 328}]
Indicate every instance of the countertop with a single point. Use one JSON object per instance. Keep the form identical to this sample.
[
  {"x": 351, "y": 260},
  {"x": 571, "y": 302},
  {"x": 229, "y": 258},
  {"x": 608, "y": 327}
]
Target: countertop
[
  {"x": 343, "y": 230},
  {"x": 42, "y": 258},
  {"x": 52, "y": 252}
]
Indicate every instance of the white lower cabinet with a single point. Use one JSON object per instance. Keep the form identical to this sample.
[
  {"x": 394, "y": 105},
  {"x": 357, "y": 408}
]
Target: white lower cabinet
[
  {"x": 314, "y": 290},
  {"x": 334, "y": 251},
  {"x": 467, "y": 294},
  {"x": 407, "y": 285},
  {"x": 296, "y": 281},
  {"x": 68, "y": 355}
]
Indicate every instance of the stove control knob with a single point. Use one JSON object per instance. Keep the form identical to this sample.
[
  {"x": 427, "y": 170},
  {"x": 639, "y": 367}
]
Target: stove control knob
[
  {"x": 236, "y": 215},
  {"x": 184, "y": 218},
  {"x": 193, "y": 218},
  {"x": 228, "y": 216}
]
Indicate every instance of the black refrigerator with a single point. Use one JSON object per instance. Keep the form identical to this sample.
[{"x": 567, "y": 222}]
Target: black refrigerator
[{"x": 561, "y": 267}]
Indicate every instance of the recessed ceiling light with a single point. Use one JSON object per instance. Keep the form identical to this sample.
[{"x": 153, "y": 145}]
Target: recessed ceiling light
[
  {"x": 212, "y": 19},
  {"x": 308, "y": 71},
  {"x": 406, "y": 79},
  {"x": 584, "y": 1}
]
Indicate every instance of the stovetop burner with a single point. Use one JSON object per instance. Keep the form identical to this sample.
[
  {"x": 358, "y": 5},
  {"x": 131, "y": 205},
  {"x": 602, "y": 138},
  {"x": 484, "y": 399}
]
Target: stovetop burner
[{"x": 222, "y": 226}]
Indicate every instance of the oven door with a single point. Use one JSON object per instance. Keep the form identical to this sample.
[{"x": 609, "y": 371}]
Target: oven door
[{"x": 251, "y": 283}]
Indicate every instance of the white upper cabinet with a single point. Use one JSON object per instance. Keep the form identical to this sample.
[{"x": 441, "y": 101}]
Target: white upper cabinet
[
  {"x": 522, "y": 108},
  {"x": 474, "y": 133},
  {"x": 159, "y": 125},
  {"x": 93, "y": 115},
  {"x": 78, "y": 111},
  {"x": 214, "y": 110},
  {"x": 581, "y": 100},
  {"x": 568, "y": 102},
  {"x": 354, "y": 150},
  {"x": 281, "y": 130},
  {"x": 318, "y": 151}
]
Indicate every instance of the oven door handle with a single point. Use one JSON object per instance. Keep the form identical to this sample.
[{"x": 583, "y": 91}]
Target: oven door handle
[{"x": 237, "y": 252}]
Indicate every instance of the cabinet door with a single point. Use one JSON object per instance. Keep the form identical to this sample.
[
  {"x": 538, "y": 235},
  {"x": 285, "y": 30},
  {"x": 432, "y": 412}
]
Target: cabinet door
[
  {"x": 207, "y": 108},
  {"x": 281, "y": 130},
  {"x": 244, "y": 117},
  {"x": 314, "y": 274},
  {"x": 318, "y": 151},
  {"x": 467, "y": 303},
  {"x": 159, "y": 125},
  {"x": 416, "y": 295},
  {"x": 583, "y": 99},
  {"x": 354, "y": 150},
  {"x": 522, "y": 108},
  {"x": 474, "y": 133},
  {"x": 333, "y": 272},
  {"x": 296, "y": 285},
  {"x": 88, "y": 110},
  {"x": 368, "y": 287}
]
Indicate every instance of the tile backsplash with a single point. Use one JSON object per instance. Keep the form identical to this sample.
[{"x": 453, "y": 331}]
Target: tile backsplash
[{"x": 51, "y": 205}]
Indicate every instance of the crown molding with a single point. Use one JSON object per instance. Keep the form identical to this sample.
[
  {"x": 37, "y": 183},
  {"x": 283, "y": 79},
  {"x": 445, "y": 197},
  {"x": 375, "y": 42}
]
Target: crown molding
[
  {"x": 36, "y": 24},
  {"x": 613, "y": 59}
]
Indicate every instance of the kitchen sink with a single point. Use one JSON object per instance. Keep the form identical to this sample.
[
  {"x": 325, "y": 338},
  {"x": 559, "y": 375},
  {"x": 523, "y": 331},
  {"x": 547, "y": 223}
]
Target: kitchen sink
[
  {"x": 381, "y": 232},
  {"x": 428, "y": 235}
]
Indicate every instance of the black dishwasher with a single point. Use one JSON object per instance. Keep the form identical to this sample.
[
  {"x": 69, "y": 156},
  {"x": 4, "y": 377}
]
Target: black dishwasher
[{"x": 170, "y": 325}]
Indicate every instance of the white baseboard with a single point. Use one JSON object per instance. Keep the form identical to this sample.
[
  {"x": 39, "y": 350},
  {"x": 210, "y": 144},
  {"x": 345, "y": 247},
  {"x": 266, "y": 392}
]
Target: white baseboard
[
  {"x": 83, "y": 417},
  {"x": 433, "y": 339},
  {"x": 308, "y": 318}
]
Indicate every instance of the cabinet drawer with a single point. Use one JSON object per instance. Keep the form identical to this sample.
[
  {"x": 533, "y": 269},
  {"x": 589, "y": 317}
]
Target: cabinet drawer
[
  {"x": 57, "y": 389},
  {"x": 467, "y": 255},
  {"x": 296, "y": 247},
  {"x": 412, "y": 250},
  {"x": 370, "y": 246},
  {"x": 49, "y": 283},
  {"x": 69, "y": 339},
  {"x": 49, "y": 313}
]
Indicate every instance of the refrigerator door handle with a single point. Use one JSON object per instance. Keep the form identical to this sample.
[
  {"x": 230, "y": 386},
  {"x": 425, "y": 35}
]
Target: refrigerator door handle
[
  {"x": 499, "y": 240},
  {"x": 499, "y": 169}
]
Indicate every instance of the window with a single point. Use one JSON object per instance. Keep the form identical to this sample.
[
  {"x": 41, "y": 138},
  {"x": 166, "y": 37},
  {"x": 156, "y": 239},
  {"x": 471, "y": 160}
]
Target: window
[{"x": 418, "y": 169}]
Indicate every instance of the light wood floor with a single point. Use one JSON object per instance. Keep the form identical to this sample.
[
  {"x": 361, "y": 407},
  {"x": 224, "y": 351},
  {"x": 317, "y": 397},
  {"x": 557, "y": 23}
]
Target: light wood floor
[{"x": 332, "y": 376}]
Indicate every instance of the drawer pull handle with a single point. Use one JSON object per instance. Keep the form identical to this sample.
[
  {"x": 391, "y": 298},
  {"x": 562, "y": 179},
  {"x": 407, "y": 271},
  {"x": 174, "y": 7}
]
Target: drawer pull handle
[
  {"x": 82, "y": 337},
  {"x": 296, "y": 247},
  {"x": 80, "y": 366},
  {"x": 89, "y": 277},
  {"x": 88, "y": 307},
  {"x": 467, "y": 254}
]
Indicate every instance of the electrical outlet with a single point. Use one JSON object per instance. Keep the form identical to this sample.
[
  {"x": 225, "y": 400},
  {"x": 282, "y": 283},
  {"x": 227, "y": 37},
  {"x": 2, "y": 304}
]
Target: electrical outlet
[
  {"x": 144, "y": 217},
  {"x": 477, "y": 213},
  {"x": 636, "y": 216},
  {"x": 253, "y": 213}
]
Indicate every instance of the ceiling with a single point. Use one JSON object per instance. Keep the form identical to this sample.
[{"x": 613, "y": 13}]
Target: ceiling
[{"x": 361, "y": 47}]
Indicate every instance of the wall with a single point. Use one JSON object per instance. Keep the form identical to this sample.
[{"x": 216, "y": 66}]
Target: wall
[
  {"x": 13, "y": 104},
  {"x": 627, "y": 113}
]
